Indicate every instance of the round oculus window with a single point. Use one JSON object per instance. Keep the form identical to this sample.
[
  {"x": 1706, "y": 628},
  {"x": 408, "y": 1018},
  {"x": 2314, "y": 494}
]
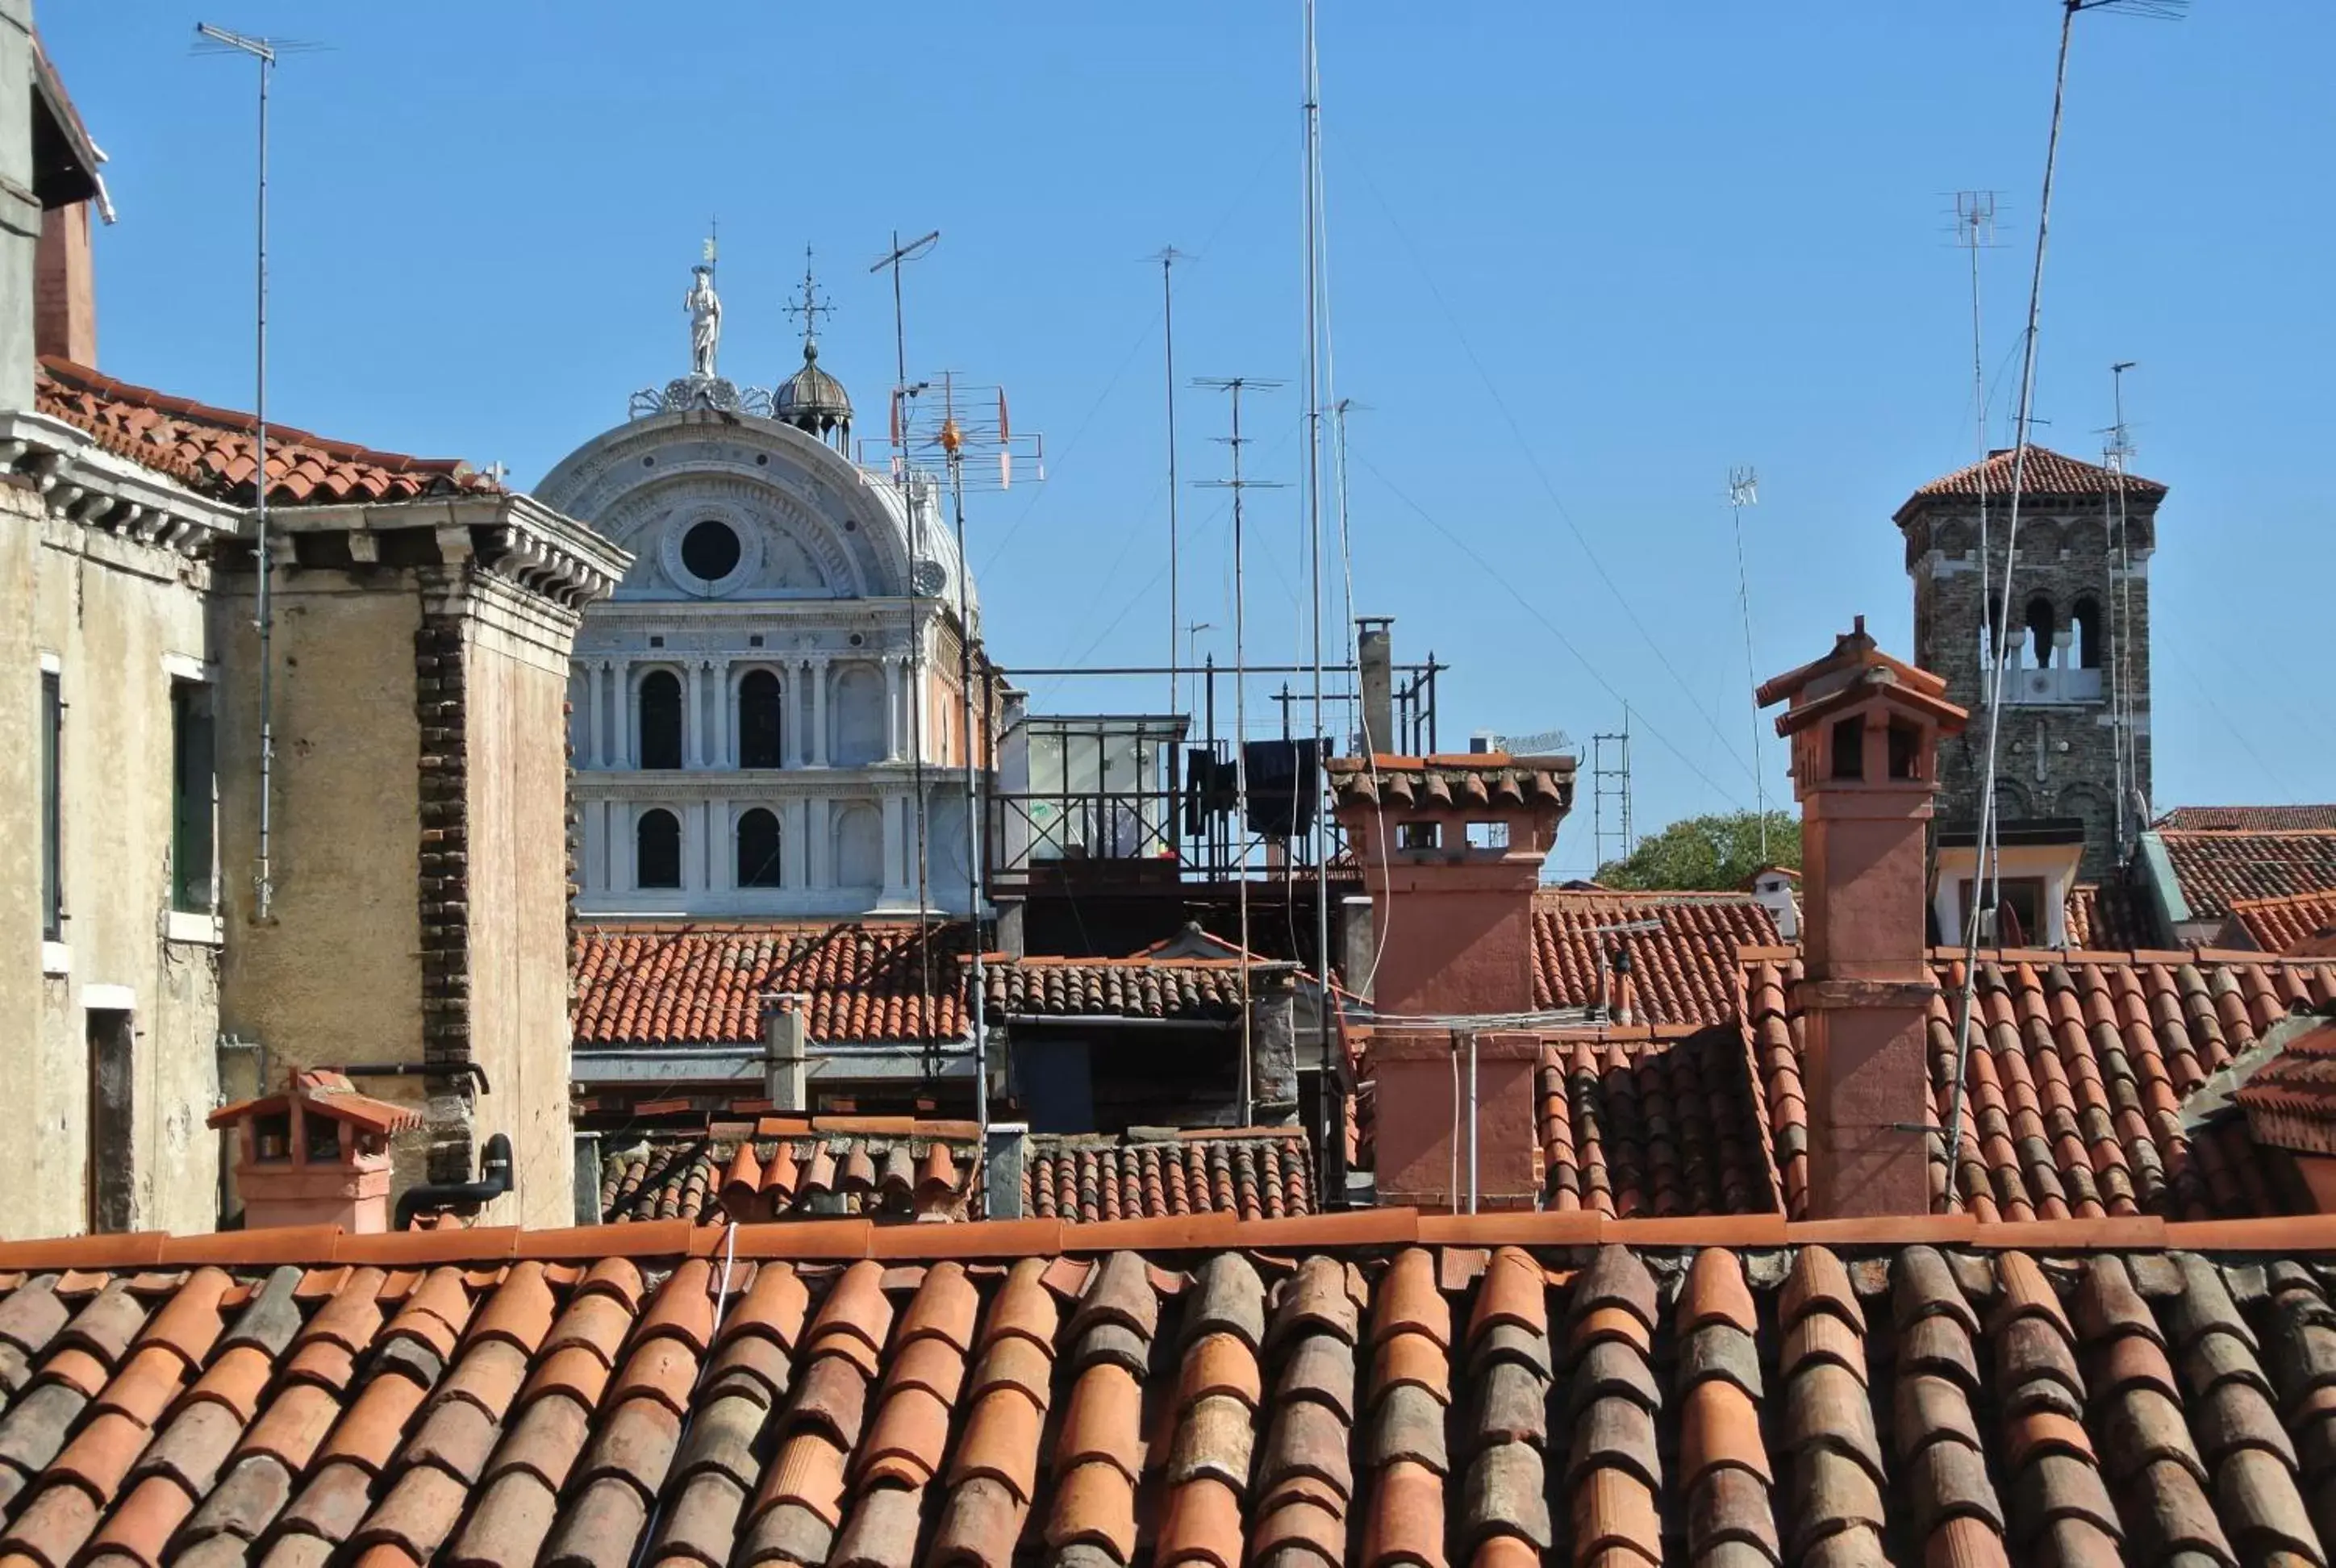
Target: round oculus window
[{"x": 710, "y": 551}]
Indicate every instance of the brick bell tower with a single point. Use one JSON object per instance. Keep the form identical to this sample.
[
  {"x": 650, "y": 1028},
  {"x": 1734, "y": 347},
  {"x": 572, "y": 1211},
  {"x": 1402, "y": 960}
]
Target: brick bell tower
[
  {"x": 2078, "y": 687},
  {"x": 1864, "y": 730}
]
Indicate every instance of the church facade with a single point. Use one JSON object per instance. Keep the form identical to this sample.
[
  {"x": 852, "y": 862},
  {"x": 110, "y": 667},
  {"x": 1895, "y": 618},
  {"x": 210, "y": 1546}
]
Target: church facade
[{"x": 758, "y": 707}]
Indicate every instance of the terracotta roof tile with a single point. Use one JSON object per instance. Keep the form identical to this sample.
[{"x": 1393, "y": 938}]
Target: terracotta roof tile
[
  {"x": 2247, "y": 819},
  {"x": 685, "y": 1177},
  {"x": 1256, "y": 1173},
  {"x": 2214, "y": 870},
  {"x": 212, "y": 449},
  {"x": 2108, "y": 917},
  {"x": 2045, "y": 474},
  {"x": 1682, "y": 973},
  {"x": 2283, "y": 925},
  {"x": 1490, "y": 1405},
  {"x": 1455, "y": 783}
]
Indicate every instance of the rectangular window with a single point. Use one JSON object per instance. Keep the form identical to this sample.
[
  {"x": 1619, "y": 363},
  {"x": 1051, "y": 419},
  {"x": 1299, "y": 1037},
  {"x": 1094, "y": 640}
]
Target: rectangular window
[
  {"x": 53, "y": 870},
  {"x": 192, "y": 882},
  {"x": 1488, "y": 835},
  {"x": 111, "y": 1177},
  {"x": 2018, "y": 912}
]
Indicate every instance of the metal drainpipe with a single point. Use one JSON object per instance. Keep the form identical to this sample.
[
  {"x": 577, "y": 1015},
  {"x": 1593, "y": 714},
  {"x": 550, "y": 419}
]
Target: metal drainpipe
[{"x": 1475, "y": 1135}]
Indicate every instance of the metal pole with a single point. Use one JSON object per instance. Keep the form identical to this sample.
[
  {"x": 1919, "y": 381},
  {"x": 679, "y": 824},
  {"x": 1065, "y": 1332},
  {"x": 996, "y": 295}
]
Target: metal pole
[
  {"x": 972, "y": 811},
  {"x": 1168, "y": 315},
  {"x": 1321, "y": 826},
  {"x": 1989, "y": 826},
  {"x": 1241, "y": 759},
  {"x": 264, "y": 898},
  {"x": 1473, "y": 1132}
]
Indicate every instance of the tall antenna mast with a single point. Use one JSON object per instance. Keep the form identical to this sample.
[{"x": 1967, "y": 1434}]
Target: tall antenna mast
[
  {"x": 1987, "y": 891},
  {"x": 1168, "y": 258},
  {"x": 1743, "y": 491},
  {"x": 1234, "y": 386},
  {"x": 1321, "y": 835},
  {"x": 899, "y": 255},
  {"x": 2116, "y": 456},
  {"x": 263, "y": 52}
]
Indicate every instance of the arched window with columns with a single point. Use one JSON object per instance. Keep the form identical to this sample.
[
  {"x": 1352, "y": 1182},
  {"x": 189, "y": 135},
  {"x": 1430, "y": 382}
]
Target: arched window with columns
[
  {"x": 2086, "y": 614},
  {"x": 659, "y": 708},
  {"x": 758, "y": 849},
  {"x": 761, "y": 720},
  {"x": 656, "y": 850},
  {"x": 2041, "y": 625}
]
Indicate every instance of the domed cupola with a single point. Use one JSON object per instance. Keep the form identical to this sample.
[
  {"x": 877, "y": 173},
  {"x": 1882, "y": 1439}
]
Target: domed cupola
[
  {"x": 814, "y": 402},
  {"x": 810, "y": 399}
]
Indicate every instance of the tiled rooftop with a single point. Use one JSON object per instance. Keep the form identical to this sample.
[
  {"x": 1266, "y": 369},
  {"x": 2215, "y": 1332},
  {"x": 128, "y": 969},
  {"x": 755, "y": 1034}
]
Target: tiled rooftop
[
  {"x": 2277, "y": 925},
  {"x": 2216, "y": 869},
  {"x": 1254, "y": 1173},
  {"x": 2047, "y": 475},
  {"x": 2108, "y": 917},
  {"x": 215, "y": 451},
  {"x": 1199, "y": 990},
  {"x": 1652, "y": 1122},
  {"x": 677, "y": 984},
  {"x": 1501, "y": 1393},
  {"x": 2247, "y": 819},
  {"x": 1453, "y": 781},
  {"x": 2080, "y": 1067},
  {"x": 1684, "y": 973},
  {"x": 2291, "y": 1100},
  {"x": 787, "y": 1167}
]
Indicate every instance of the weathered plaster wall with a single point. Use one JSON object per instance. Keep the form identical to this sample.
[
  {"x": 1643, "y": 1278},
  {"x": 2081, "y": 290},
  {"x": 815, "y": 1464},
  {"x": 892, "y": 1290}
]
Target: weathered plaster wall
[
  {"x": 108, "y": 612},
  {"x": 335, "y": 976},
  {"x": 516, "y": 674}
]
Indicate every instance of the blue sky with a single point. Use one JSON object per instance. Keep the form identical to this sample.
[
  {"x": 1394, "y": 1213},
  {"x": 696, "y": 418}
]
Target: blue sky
[{"x": 1582, "y": 259}]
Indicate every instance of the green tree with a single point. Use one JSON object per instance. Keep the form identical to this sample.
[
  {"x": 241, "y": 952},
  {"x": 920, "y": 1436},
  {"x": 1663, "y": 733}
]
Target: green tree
[{"x": 1709, "y": 851}]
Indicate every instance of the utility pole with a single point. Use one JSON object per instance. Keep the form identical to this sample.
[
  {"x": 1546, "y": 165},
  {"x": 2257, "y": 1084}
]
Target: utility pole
[
  {"x": 1168, "y": 258},
  {"x": 1743, "y": 491}
]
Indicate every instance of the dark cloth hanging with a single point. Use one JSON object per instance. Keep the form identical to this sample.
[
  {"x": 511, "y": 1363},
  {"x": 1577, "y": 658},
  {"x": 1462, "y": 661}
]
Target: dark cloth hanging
[
  {"x": 1212, "y": 789},
  {"x": 1284, "y": 777}
]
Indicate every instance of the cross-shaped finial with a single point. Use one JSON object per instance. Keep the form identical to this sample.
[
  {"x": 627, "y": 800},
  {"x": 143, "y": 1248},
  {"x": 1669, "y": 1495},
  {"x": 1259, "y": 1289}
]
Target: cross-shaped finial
[{"x": 810, "y": 308}]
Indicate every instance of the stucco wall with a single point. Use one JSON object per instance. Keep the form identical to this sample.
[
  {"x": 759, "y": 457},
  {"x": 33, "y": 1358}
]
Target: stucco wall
[
  {"x": 517, "y": 780},
  {"x": 108, "y": 610}
]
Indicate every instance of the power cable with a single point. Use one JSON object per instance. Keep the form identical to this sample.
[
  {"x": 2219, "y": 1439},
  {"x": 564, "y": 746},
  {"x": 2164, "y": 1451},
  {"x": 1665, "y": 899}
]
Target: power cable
[
  {"x": 1548, "y": 489},
  {"x": 1555, "y": 630}
]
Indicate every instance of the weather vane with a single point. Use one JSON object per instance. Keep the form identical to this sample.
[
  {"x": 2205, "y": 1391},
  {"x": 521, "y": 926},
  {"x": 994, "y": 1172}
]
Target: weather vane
[{"x": 811, "y": 307}]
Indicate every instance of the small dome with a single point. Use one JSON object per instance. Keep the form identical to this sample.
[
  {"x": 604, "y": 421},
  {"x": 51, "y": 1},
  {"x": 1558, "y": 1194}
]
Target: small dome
[{"x": 810, "y": 399}]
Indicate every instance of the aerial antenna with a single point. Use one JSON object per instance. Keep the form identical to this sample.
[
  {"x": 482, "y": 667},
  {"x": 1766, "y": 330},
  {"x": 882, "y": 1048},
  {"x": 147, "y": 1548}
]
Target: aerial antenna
[
  {"x": 262, "y": 51},
  {"x": 1316, "y": 325},
  {"x": 905, "y": 474},
  {"x": 2117, "y": 456},
  {"x": 1988, "y": 890},
  {"x": 1610, "y": 780},
  {"x": 1743, "y": 491},
  {"x": 1234, "y": 387},
  {"x": 1167, "y": 259}
]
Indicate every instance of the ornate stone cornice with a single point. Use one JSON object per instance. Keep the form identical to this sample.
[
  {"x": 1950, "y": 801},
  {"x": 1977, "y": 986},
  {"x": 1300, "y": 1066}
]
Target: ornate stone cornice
[
  {"x": 83, "y": 482},
  {"x": 514, "y": 537}
]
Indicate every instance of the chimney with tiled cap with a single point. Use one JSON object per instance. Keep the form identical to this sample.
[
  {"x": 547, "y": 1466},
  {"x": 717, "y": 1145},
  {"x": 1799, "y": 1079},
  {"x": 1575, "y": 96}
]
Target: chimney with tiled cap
[
  {"x": 315, "y": 1155},
  {"x": 1864, "y": 730},
  {"x": 1451, "y": 849}
]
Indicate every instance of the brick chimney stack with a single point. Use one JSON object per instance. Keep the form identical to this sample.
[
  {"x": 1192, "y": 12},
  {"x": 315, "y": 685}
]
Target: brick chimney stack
[
  {"x": 317, "y": 1153},
  {"x": 1864, "y": 730},
  {"x": 1451, "y": 850},
  {"x": 64, "y": 286}
]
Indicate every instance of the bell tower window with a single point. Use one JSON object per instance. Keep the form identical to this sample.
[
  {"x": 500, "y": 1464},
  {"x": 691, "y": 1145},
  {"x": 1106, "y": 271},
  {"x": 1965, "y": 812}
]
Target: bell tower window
[
  {"x": 759, "y": 720},
  {"x": 660, "y": 719}
]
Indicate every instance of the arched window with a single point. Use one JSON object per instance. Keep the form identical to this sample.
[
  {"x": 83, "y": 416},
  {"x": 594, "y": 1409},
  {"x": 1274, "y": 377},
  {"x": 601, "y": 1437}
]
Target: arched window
[
  {"x": 759, "y": 711},
  {"x": 2088, "y": 616},
  {"x": 656, "y": 850},
  {"x": 758, "y": 850},
  {"x": 2041, "y": 628},
  {"x": 660, "y": 711}
]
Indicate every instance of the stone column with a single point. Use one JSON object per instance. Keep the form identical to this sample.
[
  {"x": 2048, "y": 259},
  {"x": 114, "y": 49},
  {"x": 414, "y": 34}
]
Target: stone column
[
  {"x": 726, "y": 716},
  {"x": 819, "y": 712},
  {"x": 692, "y": 729},
  {"x": 892, "y": 707},
  {"x": 721, "y": 851},
  {"x": 595, "y": 749},
  {"x": 896, "y": 851},
  {"x": 620, "y": 717},
  {"x": 793, "y": 710},
  {"x": 794, "y": 844}
]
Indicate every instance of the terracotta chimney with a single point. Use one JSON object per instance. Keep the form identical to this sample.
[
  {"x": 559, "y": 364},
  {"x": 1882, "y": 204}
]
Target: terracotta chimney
[
  {"x": 64, "y": 286},
  {"x": 1451, "y": 850},
  {"x": 1440, "y": 1147},
  {"x": 1865, "y": 731},
  {"x": 317, "y": 1153}
]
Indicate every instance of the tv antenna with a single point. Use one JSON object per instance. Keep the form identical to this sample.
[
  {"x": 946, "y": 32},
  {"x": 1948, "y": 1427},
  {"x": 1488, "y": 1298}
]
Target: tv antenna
[
  {"x": 1743, "y": 491},
  {"x": 2117, "y": 456},
  {"x": 1167, "y": 259},
  {"x": 263, "y": 52},
  {"x": 1234, "y": 387}
]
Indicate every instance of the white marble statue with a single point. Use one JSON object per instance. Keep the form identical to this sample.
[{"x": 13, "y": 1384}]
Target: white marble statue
[{"x": 705, "y": 308}]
